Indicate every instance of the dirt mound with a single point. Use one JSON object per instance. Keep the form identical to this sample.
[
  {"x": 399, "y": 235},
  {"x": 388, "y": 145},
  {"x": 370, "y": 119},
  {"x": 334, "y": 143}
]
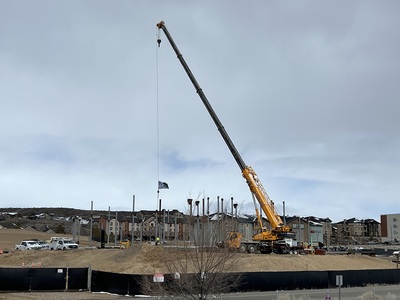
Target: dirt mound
[{"x": 149, "y": 259}]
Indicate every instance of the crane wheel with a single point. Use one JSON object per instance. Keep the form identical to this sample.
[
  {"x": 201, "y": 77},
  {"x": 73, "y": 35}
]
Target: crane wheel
[{"x": 251, "y": 249}]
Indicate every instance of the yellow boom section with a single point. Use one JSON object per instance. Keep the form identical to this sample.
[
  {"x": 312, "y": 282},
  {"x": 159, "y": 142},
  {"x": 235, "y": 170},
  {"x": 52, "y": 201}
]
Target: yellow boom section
[{"x": 266, "y": 203}]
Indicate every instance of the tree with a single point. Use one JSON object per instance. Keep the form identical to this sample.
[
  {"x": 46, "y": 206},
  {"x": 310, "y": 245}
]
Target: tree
[
  {"x": 96, "y": 234},
  {"x": 196, "y": 269},
  {"x": 60, "y": 229}
]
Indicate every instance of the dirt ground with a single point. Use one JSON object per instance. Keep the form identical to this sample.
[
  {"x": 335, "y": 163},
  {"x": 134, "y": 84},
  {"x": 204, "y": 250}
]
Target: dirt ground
[{"x": 146, "y": 258}]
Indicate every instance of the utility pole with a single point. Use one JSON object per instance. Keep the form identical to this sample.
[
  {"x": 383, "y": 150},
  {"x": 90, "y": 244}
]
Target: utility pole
[
  {"x": 231, "y": 213},
  {"x": 91, "y": 224},
  {"x": 190, "y": 202},
  {"x": 108, "y": 227},
  {"x": 284, "y": 214},
  {"x": 116, "y": 231},
  {"x": 222, "y": 221},
  {"x": 133, "y": 219},
  {"x": 208, "y": 220},
  {"x": 197, "y": 202},
  {"x": 236, "y": 227},
  {"x": 218, "y": 222}
]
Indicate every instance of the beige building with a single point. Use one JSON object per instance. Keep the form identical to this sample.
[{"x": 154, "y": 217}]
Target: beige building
[
  {"x": 390, "y": 228},
  {"x": 360, "y": 229}
]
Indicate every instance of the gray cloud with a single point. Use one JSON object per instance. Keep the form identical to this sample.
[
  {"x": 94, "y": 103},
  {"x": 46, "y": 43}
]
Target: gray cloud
[{"x": 307, "y": 90}]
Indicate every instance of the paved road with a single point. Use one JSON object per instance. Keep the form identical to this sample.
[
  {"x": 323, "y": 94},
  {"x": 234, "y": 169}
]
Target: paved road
[
  {"x": 361, "y": 293},
  {"x": 390, "y": 292},
  {"x": 59, "y": 296},
  {"x": 378, "y": 292}
]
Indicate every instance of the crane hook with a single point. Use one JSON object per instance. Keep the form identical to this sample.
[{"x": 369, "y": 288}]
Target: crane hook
[{"x": 158, "y": 38}]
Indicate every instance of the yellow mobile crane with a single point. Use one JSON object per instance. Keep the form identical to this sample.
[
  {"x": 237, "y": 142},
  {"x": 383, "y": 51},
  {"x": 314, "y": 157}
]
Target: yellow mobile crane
[{"x": 278, "y": 239}]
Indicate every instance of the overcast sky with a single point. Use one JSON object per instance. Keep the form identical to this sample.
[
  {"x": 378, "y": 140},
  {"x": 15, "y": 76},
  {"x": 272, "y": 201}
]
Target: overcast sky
[{"x": 307, "y": 90}]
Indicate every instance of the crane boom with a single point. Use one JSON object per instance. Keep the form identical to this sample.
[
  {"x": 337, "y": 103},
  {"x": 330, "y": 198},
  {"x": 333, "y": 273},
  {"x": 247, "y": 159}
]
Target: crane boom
[
  {"x": 203, "y": 98},
  {"x": 248, "y": 173}
]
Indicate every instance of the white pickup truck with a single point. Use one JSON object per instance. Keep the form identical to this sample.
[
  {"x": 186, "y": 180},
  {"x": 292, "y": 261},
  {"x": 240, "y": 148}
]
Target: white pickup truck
[
  {"x": 63, "y": 244},
  {"x": 28, "y": 245}
]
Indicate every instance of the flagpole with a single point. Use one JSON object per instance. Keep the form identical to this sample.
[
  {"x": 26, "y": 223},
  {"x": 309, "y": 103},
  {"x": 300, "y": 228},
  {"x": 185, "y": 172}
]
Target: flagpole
[
  {"x": 158, "y": 199},
  {"x": 158, "y": 140},
  {"x": 161, "y": 185}
]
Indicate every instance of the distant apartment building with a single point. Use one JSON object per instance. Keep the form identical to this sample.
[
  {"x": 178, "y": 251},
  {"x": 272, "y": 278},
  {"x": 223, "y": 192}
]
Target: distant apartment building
[
  {"x": 119, "y": 227},
  {"x": 358, "y": 228},
  {"x": 114, "y": 227},
  {"x": 311, "y": 230},
  {"x": 390, "y": 228},
  {"x": 146, "y": 225},
  {"x": 174, "y": 225}
]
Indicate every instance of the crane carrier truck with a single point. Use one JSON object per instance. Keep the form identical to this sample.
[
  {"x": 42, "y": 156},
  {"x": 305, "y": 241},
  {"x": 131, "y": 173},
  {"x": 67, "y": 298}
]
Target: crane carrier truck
[{"x": 280, "y": 238}]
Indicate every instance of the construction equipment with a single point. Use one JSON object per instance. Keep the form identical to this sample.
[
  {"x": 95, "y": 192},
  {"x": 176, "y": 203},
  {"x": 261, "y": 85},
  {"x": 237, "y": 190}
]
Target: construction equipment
[
  {"x": 124, "y": 244},
  {"x": 279, "y": 238}
]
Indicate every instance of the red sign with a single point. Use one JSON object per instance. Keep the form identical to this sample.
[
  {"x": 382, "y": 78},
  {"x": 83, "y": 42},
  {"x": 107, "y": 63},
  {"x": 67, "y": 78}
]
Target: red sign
[{"x": 158, "y": 277}]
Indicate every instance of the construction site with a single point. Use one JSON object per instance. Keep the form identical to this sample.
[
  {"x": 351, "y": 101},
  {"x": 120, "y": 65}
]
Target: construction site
[{"x": 147, "y": 258}]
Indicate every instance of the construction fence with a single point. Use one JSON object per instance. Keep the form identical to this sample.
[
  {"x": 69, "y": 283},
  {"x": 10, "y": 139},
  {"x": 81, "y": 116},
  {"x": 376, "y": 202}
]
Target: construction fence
[{"x": 72, "y": 279}]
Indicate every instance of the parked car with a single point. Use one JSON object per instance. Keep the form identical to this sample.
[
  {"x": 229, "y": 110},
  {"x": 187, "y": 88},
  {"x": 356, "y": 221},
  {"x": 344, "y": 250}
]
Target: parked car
[
  {"x": 64, "y": 244},
  {"x": 56, "y": 238},
  {"x": 28, "y": 245},
  {"x": 45, "y": 245}
]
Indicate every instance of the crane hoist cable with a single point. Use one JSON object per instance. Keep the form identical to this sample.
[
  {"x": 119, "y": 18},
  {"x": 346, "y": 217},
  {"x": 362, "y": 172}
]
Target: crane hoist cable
[{"x": 278, "y": 228}]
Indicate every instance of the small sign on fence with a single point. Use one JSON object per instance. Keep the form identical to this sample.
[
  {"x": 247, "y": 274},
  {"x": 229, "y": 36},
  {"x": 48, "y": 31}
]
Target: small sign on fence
[
  {"x": 158, "y": 277},
  {"x": 339, "y": 280}
]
